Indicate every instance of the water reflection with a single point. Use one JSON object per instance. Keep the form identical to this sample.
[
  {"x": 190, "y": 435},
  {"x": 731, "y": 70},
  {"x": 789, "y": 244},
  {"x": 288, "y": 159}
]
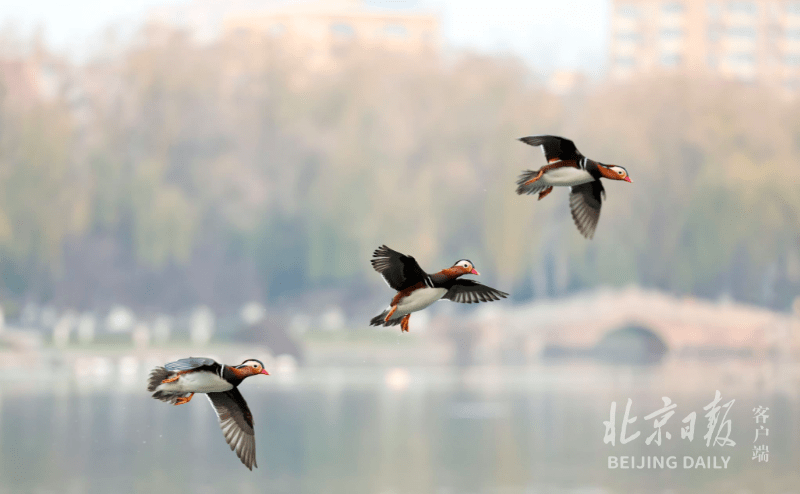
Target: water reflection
[{"x": 516, "y": 429}]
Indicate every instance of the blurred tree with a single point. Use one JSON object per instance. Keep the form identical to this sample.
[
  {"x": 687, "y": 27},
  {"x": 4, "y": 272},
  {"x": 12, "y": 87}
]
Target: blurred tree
[{"x": 213, "y": 173}]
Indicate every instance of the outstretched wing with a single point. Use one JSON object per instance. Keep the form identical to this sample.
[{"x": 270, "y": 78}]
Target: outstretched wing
[
  {"x": 399, "y": 270},
  {"x": 236, "y": 423},
  {"x": 584, "y": 203},
  {"x": 555, "y": 148},
  {"x": 469, "y": 291},
  {"x": 191, "y": 363}
]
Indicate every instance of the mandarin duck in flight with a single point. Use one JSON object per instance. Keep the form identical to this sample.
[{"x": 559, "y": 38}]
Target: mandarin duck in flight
[
  {"x": 178, "y": 381},
  {"x": 566, "y": 166},
  {"x": 417, "y": 290}
]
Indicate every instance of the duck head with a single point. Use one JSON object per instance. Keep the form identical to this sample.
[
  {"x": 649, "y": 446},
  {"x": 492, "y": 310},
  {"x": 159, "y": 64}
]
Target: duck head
[
  {"x": 462, "y": 267},
  {"x": 614, "y": 172},
  {"x": 250, "y": 367}
]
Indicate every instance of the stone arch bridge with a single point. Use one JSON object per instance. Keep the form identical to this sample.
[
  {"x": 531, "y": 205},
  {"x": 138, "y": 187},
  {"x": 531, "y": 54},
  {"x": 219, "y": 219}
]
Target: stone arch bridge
[{"x": 686, "y": 326}]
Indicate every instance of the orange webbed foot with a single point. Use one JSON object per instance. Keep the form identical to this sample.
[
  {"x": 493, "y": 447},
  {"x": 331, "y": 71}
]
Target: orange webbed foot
[
  {"x": 544, "y": 193},
  {"x": 182, "y": 401},
  {"x": 404, "y": 323},
  {"x": 534, "y": 179},
  {"x": 171, "y": 379},
  {"x": 390, "y": 314}
]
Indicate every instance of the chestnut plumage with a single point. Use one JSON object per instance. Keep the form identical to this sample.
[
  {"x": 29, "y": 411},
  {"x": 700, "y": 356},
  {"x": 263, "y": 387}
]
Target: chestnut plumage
[
  {"x": 417, "y": 289},
  {"x": 567, "y": 167},
  {"x": 176, "y": 383}
]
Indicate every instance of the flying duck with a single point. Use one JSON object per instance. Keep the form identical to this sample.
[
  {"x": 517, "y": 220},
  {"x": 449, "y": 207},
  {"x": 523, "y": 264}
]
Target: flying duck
[
  {"x": 417, "y": 290},
  {"x": 178, "y": 381},
  {"x": 566, "y": 166}
]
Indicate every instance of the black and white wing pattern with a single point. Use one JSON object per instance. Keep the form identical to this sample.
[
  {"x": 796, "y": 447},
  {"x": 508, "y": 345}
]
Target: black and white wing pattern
[
  {"x": 584, "y": 203},
  {"x": 555, "y": 148},
  {"x": 399, "y": 270},
  {"x": 192, "y": 363},
  {"x": 236, "y": 423},
  {"x": 469, "y": 292}
]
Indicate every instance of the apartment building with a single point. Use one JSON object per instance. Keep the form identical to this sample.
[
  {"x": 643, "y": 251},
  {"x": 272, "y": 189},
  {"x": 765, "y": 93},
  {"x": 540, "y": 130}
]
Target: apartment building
[
  {"x": 324, "y": 27},
  {"x": 749, "y": 40}
]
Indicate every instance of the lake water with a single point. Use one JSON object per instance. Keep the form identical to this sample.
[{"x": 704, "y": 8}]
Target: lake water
[{"x": 474, "y": 430}]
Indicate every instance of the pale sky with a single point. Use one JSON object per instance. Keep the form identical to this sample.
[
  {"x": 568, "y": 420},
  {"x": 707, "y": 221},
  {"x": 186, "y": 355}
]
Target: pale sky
[{"x": 564, "y": 33}]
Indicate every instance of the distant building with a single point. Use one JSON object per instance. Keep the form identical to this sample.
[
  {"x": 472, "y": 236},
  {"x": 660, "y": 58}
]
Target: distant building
[
  {"x": 566, "y": 81},
  {"x": 318, "y": 28},
  {"x": 749, "y": 40},
  {"x": 320, "y": 31},
  {"x": 26, "y": 81},
  {"x": 203, "y": 18}
]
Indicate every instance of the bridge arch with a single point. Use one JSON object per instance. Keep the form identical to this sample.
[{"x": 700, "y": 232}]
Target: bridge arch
[{"x": 631, "y": 344}]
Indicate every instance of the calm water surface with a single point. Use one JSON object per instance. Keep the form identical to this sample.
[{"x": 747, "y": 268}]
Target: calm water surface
[{"x": 391, "y": 431}]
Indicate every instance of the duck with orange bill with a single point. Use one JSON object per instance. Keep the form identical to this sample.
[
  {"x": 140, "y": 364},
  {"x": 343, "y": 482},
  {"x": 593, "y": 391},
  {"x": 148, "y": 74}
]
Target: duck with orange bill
[
  {"x": 417, "y": 289},
  {"x": 567, "y": 167},
  {"x": 177, "y": 382}
]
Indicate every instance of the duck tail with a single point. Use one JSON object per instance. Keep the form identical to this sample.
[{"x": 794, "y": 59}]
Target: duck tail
[
  {"x": 156, "y": 376},
  {"x": 154, "y": 381},
  {"x": 380, "y": 320},
  {"x": 527, "y": 183}
]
